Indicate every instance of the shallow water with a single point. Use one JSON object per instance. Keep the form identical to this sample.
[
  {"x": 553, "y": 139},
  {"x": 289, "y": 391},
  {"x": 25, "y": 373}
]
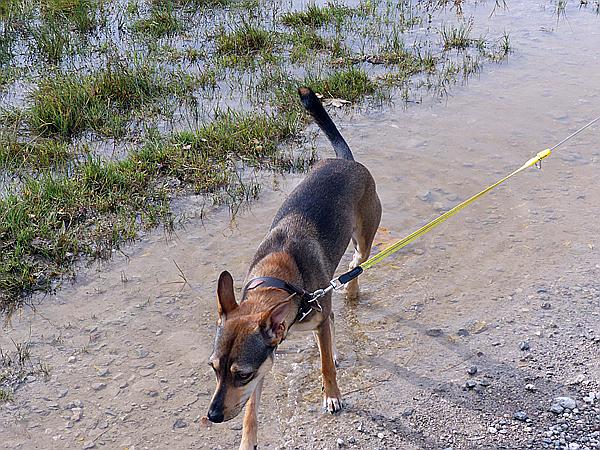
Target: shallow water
[{"x": 472, "y": 281}]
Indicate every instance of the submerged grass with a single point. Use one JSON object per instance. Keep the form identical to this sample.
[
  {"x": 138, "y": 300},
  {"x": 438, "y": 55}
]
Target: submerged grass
[
  {"x": 103, "y": 101},
  {"x": 162, "y": 21},
  {"x": 318, "y": 16},
  {"x": 32, "y": 155},
  {"x": 245, "y": 41},
  {"x": 53, "y": 218}
]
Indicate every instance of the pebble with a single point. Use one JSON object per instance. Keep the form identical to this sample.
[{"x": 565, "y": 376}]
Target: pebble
[
  {"x": 340, "y": 442},
  {"x": 98, "y": 386},
  {"x": 472, "y": 370},
  {"x": 71, "y": 359},
  {"x": 179, "y": 423},
  {"x": 434, "y": 332},
  {"x": 520, "y": 415},
  {"x": 77, "y": 413},
  {"x": 61, "y": 393},
  {"x": 470, "y": 384},
  {"x": 492, "y": 430},
  {"x": 524, "y": 345},
  {"x": 530, "y": 387},
  {"x": 103, "y": 372},
  {"x": 564, "y": 402},
  {"x": 90, "y": 444}
]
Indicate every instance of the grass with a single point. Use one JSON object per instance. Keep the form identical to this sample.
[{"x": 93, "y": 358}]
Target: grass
[
  {"x": 35, "y": 155},
  {"x": 318, "y": 16},
  {"x": 69, "y": 103},
  {"x": 53, "y": 218},
  {"x": 456, "y": 37},
  {"x": 350, "y": 84},
  {"x": 163, "y": 21},
  {"x": 247, "y": 40},
  {"x": 15, "y": 366}
]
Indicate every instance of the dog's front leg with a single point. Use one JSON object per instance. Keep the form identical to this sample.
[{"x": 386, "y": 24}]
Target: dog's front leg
[
  {"x": 332, "y": 398},
  {"x": 249, "y": 431}
]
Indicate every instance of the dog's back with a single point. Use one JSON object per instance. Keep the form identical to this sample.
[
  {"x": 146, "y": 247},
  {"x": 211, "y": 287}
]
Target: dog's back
[{"x": 316, "y": 222}]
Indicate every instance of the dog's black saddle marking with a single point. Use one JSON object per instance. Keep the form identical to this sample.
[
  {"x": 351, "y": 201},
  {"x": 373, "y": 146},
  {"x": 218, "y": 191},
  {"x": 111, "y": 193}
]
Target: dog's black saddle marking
[{"x": 304, "y": 308}]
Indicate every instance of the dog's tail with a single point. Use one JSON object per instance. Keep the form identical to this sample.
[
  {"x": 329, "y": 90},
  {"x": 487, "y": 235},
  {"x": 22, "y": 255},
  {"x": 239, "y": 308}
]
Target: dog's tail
[{"x": 315, "y": 108}]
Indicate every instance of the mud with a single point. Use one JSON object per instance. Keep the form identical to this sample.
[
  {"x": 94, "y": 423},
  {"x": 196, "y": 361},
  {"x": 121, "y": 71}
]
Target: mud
[{"x": 127, "y": 343}]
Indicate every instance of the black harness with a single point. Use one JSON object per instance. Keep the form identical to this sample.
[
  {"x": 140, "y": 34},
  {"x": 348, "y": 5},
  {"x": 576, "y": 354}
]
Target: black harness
[{"x": 304, "y": 308}]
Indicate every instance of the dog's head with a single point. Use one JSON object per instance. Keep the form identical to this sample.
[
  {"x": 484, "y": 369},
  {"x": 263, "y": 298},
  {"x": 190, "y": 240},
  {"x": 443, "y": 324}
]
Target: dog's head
[{"x": 244, "y": 348}]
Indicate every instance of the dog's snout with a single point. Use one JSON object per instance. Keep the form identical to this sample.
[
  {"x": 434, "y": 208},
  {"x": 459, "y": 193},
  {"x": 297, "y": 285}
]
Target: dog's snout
[{"x": 215, "y": 416}]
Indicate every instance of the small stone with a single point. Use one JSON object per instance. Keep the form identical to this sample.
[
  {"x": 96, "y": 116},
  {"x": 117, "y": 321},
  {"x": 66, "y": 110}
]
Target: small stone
[
  {"x": 61, "y": 393},
  {"x": 142, "y": 353},
  {"x": 556, "y": 408},
  {"x": 71, "y": 359},
  {"x": 98, "y": 386},
  {"x": 523, "y": 346},
  {"x": 434, "y": 332},
  {"x": 103, "y": 372},
  {"x": 380, "y": 435},
  {"x": 546, "y": 305},
  {"x": 472, "y": 370},
  {"x": 470, "y": 384},
  {"x": 77, "y": 413},
  {"x": 103, "y": 424},
  {"x": 88, "y": 445},
  {"x": 484, "y": 383},
  {"x": 530, "y": 387},
  {"x": 565, "y": 402},
  {"x": 179, "y": 423},
  {"x": 340, "y": 442},
  {"x": 408, "y": 412},
  {"x": 492, "y": 430},
  {"x": 426, "y": 196},
  {"x": 521, "y": 416}
]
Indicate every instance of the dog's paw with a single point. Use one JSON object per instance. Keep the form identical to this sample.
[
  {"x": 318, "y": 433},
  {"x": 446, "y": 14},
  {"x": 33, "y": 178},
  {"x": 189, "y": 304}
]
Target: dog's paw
[
  {"x": 332, "y": 404},
  {"x": 351, "y": 291}
]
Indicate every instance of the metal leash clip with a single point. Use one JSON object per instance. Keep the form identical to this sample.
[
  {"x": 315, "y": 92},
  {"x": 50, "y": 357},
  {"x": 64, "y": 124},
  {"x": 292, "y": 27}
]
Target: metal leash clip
[{"x": 315, "y": 299}]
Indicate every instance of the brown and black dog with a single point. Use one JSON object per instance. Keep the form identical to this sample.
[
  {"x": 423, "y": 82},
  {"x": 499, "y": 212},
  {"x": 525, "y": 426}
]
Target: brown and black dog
[{"x": 335, "y": 204}]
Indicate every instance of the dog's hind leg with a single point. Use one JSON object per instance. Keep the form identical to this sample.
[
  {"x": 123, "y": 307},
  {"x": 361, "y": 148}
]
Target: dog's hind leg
[
  {"x": 367, "y": 220},
  {"x": 249, "y": 431},
  {"x": 332, "y": 398}
]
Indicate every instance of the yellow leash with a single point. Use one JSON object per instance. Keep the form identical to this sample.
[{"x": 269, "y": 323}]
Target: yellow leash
[
  {"x": 346, "y": 277},
  {"x": 435, "y": 222}
]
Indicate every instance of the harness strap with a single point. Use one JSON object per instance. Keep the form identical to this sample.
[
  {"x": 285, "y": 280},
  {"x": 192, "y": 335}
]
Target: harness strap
[{"x": 304, "y": 308}]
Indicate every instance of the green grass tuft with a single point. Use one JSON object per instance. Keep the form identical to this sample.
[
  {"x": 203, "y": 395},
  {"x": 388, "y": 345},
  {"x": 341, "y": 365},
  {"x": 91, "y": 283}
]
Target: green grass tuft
[
  {"x": 36, "y": 155},
  {"x": 163, "y": 21},
  {"x": 245, "y": 41},
  {"x": 350, "y": 84},
  {"x": 318, "y": 16},
  {"x": 456, "y": 37},
  {"x": 69, "y": 103}
]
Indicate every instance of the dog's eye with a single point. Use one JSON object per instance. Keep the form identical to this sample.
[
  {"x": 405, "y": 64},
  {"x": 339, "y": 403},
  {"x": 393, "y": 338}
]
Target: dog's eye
[{"x": 243, "y": 376}]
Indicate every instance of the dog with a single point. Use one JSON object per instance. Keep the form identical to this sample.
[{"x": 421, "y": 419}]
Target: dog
[{"x": 334, "y": 205}]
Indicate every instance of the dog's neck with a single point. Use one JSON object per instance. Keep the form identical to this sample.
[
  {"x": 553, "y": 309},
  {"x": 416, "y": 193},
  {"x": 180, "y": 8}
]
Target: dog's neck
[{"x": 282, "y": 266}]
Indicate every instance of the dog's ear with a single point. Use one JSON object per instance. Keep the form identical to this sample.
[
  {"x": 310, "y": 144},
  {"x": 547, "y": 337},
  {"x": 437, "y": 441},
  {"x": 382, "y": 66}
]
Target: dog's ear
[
  {"x": 272, "y": 325},
  {"x": 225, "y": 297}
]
